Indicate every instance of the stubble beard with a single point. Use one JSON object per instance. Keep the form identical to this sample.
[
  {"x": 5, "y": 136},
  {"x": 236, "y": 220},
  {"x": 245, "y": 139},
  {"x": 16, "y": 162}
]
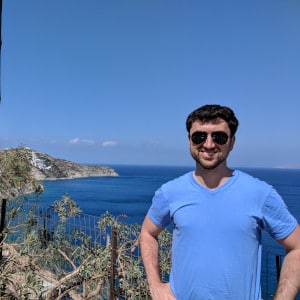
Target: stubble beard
[{"x": 205, "y": 166}]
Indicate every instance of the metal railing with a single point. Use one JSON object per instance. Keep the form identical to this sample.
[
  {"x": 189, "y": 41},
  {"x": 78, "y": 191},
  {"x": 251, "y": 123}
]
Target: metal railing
[{"x": 124, "y": 252}]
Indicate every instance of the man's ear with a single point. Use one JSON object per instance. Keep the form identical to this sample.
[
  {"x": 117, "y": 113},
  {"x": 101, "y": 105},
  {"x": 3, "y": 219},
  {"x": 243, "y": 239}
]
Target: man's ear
[{"x": 232, "y": 142}]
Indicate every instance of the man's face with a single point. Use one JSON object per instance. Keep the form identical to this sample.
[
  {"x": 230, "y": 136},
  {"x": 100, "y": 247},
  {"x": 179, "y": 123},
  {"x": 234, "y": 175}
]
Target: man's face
[{"x": 209, "y": 154}]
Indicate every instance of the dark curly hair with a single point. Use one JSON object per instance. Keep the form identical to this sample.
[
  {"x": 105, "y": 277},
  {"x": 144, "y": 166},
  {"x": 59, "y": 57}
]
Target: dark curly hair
[{"x": 210, "y": 112}]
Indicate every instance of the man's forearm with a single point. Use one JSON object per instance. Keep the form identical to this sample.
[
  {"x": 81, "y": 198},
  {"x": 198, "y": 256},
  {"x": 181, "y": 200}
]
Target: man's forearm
[
  {"x": 289, "y": 281},
  {"x": 149, "y": 250}
]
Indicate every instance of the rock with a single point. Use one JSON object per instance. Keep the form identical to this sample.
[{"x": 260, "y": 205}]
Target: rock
[{"x": 47, "y": 167}]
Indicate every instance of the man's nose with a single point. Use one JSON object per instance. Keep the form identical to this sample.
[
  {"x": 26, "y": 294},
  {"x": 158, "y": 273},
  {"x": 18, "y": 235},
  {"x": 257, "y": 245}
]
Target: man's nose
[{"x": 209, "y": 142}]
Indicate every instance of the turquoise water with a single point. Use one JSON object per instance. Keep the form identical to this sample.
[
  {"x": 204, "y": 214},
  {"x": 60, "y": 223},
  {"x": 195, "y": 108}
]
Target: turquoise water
[{"x": 131, "y": 192}]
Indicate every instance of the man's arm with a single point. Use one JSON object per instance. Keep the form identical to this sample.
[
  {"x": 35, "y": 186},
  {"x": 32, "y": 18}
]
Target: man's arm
[
  {"x": 289, "y": 281},
  {"x": 149, "y": 250}
]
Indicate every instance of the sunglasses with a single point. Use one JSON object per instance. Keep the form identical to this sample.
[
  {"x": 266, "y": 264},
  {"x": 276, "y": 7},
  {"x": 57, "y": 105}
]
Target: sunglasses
[{"x": 219, "y": 137}]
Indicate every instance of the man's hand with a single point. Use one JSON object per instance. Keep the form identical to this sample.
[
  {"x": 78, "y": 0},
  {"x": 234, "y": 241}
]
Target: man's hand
[
  {"x": 289, "y": 281},
  {"x": 162, "y": 292}
]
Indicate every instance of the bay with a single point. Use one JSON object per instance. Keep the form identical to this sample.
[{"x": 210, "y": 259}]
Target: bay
[{"x": 131, "y": 193}]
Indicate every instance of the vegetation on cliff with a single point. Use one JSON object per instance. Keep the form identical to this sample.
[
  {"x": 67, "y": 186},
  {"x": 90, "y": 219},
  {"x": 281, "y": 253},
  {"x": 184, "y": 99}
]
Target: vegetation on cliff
[{"x": 16, "y": 176}]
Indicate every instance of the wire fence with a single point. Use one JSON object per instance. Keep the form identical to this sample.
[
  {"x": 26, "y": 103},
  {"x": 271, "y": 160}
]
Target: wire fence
[{"x": 116, "y": 245}]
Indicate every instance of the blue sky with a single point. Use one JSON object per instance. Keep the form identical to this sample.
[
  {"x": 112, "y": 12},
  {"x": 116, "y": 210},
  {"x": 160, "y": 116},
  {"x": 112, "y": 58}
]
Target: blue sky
[{"x": 111, "y": 82}]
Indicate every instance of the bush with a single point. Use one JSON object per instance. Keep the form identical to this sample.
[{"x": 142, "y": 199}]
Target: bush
[{"x": 56, "y": 257}]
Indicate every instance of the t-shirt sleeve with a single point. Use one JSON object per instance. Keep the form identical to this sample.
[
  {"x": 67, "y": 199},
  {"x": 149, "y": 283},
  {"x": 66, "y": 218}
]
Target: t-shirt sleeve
[
  {"x": 159, "y": 211},
  {"x": 277, "y": 219}
]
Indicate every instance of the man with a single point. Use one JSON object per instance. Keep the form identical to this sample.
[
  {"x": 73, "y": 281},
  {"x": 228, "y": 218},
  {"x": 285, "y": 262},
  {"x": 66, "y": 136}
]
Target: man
[{"x": 218, "y": 215}]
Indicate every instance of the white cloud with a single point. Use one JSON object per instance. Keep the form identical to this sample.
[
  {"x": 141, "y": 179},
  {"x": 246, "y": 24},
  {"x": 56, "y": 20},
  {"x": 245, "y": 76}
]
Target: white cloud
[
  {"x": 105, "y": 144},
  {"x": 77, "y": 141},
  {"x": 74, "y": 141},
  {"x": 109, "y": 144}
]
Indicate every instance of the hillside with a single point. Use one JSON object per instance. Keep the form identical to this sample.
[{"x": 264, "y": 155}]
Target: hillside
[
  {"x": 47, "y": 167},
  {"x": 21, "y": 168}
]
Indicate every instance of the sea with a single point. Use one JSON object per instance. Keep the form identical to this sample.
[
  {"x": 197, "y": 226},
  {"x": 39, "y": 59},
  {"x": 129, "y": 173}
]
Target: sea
[{"x": 131, "y": 192}]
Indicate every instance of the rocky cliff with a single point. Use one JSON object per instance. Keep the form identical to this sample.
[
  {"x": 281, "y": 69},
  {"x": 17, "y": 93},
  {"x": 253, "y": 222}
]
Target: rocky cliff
[{"x": 45, "y": 167}]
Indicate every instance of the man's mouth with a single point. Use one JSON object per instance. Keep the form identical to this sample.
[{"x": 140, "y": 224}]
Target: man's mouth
[{"x": 208, "y": 153}]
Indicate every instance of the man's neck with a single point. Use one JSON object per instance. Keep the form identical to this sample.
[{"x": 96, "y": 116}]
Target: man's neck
[{"x": 214, "y": 178}]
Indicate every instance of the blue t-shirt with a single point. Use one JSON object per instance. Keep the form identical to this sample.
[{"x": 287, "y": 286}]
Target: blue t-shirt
[{"x": 216, "y": 250}]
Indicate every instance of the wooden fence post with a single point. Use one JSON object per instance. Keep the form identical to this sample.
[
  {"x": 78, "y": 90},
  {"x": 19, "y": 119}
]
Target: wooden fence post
[
  {"x": 114, "y": 246},
  {"x": 2, "y": 224}
]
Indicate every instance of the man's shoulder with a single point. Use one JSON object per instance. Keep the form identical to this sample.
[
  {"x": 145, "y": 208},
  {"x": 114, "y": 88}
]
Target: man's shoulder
[
  {"x": 249, "y": 180},
  {"x": 183, "y": 179}
]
